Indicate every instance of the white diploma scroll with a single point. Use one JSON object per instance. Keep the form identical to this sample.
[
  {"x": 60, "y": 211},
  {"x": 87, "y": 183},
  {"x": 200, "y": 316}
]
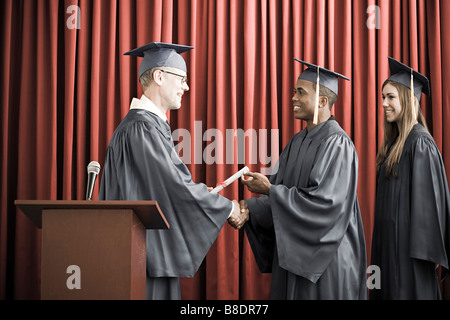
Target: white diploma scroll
[{"x": 231, "y": 179}]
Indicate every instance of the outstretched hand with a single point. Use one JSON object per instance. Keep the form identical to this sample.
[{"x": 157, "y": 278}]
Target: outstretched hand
[
  {"x": 239, "y": 216},
  {"x": 256, "y": 183}
]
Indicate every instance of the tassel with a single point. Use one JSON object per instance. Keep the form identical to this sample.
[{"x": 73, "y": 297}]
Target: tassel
[
  {"x": 412, "y": 97},
  {"x": 316, "y": 109}
]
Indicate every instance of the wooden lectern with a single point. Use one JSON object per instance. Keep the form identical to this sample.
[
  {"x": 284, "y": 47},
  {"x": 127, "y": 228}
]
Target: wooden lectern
[{"x": 93, "y": 249}]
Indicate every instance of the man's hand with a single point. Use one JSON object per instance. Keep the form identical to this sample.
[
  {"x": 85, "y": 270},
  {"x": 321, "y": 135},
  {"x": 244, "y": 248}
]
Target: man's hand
[
  {"x": 239, "y": 215},
  {"x": 257, "y": 183},
  {"x": 244, "y": 206}
]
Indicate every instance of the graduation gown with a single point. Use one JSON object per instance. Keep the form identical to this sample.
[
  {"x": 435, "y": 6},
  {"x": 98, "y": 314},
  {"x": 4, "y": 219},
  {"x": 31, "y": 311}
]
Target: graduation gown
[
  {"x": 411, "y": 228},
  {"x": 142, "y": 164},
  {"x": 308, "y": 232}
]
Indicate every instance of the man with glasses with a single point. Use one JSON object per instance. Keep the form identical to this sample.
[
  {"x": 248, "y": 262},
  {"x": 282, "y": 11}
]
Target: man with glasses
[{"x": 142, "y": 164}]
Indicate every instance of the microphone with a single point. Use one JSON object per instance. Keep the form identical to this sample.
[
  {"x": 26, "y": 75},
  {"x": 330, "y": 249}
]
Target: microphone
[{"x": 93, "y": 169}]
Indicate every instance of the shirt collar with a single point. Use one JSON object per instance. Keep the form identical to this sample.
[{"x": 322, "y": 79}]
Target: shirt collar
[{"x": 146, "y": 104}]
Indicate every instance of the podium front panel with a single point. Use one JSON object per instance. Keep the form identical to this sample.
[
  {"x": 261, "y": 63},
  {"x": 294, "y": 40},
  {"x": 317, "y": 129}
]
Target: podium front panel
[{"x": 93, "y": 254}]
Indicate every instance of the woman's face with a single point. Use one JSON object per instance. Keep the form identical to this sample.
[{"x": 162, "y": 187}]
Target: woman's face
[{"x": 391, "y": 103}]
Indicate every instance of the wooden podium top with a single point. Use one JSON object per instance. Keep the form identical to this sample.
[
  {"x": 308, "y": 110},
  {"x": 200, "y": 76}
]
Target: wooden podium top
[{"x": 147, "y": 211}]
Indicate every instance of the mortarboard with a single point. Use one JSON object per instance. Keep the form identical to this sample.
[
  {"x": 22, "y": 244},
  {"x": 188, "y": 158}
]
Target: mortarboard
[
  {"x": 159, "y": 54},
  {"x": 410, "y": 78},
  {"x": 322, "y": 76},
  {"x": 401, "y": 73}
]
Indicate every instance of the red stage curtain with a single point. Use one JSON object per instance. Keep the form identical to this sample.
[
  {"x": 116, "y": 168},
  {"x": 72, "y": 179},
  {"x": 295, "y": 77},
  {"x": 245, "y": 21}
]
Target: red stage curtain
[{"x": 65, "y": 86}]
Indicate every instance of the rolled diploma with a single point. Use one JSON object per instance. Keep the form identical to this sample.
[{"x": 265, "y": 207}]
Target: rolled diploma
[{"x": 231, "y": 179}]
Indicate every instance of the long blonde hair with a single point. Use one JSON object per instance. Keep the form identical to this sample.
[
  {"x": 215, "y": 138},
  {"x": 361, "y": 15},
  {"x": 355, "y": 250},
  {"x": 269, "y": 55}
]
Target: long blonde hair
[{"x": 396, "y": 133}]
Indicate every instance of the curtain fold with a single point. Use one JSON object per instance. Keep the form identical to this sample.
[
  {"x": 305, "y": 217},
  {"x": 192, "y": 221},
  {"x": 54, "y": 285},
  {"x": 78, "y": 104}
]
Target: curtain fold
[{"x": 66, "y": 85}]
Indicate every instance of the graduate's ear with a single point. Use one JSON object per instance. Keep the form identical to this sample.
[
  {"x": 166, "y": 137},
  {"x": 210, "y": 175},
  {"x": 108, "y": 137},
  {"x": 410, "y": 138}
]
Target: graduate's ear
[
  {"x": 158, "y": 76},
  {"x": 323, "y": 101}
]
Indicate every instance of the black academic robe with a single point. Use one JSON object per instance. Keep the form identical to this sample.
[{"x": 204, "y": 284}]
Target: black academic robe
[
  {"x": 308, "y": 232},
  {"x": 411, "y": 228},
  {"x": 142, "y": 164}
]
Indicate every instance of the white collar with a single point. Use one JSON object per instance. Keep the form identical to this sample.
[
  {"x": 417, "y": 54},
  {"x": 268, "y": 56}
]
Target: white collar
[{"x": 146, "y": 104}]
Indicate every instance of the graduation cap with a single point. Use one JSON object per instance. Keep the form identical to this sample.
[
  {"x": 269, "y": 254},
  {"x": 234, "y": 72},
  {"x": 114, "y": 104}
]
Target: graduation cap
[
  {"x": 401, "y": 73},
  {"x": 410, "y": 78},
  {"x": 159, "y": 54},
  {"x": 320, "y": 76}
]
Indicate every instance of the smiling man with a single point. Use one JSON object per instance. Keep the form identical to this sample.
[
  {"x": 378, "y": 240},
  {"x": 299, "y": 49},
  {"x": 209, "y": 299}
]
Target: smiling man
[
  {"x": 306, "y": 228},
  {"x": 142, "y": 164}
]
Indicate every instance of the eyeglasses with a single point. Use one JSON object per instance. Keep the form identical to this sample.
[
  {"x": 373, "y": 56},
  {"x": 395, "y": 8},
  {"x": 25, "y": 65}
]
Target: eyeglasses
[{"x": 183, "y": 78}]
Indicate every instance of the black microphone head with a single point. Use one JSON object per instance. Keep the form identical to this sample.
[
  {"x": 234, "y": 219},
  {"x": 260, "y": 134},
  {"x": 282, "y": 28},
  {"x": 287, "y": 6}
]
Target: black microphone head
[{"x": 93, "y": 167}]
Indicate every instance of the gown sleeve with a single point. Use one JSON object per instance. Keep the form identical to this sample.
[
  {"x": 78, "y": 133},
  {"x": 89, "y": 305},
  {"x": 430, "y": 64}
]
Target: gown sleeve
[
  {"x": 259, "y": 229},
  {"x": 430, "y": 206},
  {"x": 141, "y": 165},
  {"x": 310, "y": 222}
]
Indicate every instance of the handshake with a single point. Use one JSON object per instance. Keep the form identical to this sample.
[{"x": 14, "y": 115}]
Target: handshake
[
  {"x": 256, "y": 183},
  {"x": 240, "y": 214}
]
